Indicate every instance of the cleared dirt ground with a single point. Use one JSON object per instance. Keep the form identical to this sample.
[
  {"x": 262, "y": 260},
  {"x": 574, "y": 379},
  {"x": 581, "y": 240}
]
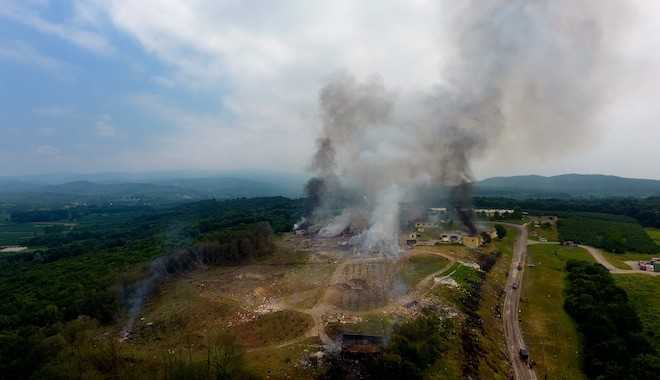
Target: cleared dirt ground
[{"x": 284, "y": 308}]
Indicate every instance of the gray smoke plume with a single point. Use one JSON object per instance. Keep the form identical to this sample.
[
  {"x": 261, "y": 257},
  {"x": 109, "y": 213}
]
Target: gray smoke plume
[
  {"x": 529, "y": 74},
  {"x": 161, "y": 269}
]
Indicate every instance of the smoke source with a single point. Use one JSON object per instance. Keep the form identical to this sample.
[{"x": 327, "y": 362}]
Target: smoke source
[{"x": 533, "y": 70}]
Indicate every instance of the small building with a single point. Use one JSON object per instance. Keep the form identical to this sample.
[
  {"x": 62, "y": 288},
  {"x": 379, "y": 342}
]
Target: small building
[
  {"x": 421, "y": 225},
  {"x": 472, "y": 241},
  {"x": 493, "y": 212}
]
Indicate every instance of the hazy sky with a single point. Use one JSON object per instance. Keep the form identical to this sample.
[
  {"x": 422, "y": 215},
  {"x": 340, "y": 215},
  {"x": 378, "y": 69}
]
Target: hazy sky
[{"x": 101, "y": 85}]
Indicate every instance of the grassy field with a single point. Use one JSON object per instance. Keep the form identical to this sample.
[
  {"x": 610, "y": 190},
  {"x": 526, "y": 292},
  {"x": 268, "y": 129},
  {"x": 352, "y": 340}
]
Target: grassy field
[
  {"x": 549, "y": 332},
  {"x": 643, "y": 294},
  {"x": 274, "y": 328},
  {"x": 282, "y": 363},
  {"x": 419, "y": 266},
  {"x": 463, "y": 275},
  {"x": 654, "y": 233}
]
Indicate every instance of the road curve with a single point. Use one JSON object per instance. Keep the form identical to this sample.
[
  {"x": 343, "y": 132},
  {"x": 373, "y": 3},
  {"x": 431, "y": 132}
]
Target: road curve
[
  {"x": 598, "y": 256},
  {"x": 512, "y": 332}
]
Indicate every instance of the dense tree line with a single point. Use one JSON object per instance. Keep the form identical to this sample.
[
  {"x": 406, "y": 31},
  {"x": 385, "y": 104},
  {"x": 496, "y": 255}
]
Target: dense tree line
[
  {"x": 501, "y": 231},
  {"x": 645, "y": 210},
  {"x": 613, "y": 236},
  {"x": 613, "y": 344},
  {"x": 229, "y": 247},
  {"x": 414, "y": 346},
  {"x": 71, "y": 214},
  {"x": 83, "y": 271}
]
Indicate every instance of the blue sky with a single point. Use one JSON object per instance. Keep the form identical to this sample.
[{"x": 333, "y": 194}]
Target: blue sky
[
  {"x": 124, "y": 85},
  {"x": 67, "y": 107}
]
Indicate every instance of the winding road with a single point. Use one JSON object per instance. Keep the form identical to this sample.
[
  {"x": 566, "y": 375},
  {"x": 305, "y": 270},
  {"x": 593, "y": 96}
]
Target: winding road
[
  {"x": 598, "y": 256},
  {"x": 512, "y": 332}
]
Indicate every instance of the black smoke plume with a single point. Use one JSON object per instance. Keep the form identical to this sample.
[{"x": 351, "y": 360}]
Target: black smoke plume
[
  {"x": 315, "y": 190},
  {"x": 460, "y": 198},
  {"x": 519, "y": 77}
]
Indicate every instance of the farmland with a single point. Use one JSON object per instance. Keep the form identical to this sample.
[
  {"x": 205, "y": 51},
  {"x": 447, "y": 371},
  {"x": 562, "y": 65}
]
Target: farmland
[
  {"x": 550, "y": 333},
  {"x": 18, "y": 234},
  {"x": 613, "y": 234},
  {"x": 643, "y": 295}
]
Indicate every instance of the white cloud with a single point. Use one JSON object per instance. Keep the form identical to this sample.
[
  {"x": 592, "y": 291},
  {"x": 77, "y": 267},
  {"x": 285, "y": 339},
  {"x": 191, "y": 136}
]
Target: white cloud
[
  {"x": 80, "y": 33},
  {"x": 264, "y": 62},
  {"x": 104, "y": 128}
]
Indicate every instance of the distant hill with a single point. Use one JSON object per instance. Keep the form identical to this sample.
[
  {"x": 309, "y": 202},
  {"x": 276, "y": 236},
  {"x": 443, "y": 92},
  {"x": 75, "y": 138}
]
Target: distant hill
[
  {"x": 568, "y": 185},
  {"x": 39, "y": 193}
]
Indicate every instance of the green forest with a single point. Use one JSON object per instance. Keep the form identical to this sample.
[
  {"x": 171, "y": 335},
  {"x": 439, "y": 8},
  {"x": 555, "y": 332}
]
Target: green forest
[
  {"x": 613, "y": 344},
  {"x": 90, "y": 270},
  {"x": 613, "y": 234},
  {"x": 646, "y": 211}
]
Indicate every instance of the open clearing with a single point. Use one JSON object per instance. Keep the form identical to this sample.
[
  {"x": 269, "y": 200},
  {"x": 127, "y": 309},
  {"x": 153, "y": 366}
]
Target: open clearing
[
  {"x": 643, "y": 293},
  {"x": 420, "y": 266},
  {"x": 550, "y": 333},
  {"x": 285, "y": 307},
  {"x": 547, "y": 231}
]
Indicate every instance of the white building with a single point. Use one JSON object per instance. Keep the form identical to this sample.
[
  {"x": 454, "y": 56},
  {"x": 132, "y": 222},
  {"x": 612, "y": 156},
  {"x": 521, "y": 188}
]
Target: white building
[{"x": 492, "y": 211}]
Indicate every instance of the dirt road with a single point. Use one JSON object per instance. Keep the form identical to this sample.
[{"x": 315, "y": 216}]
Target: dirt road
[
  {"x": 598, "y": 256},
  {"x": 512, "y": 333}
]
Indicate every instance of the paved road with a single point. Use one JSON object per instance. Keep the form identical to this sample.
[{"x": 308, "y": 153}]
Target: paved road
[
  {"x": 512, "y": 333},
  {"x": 598, "y": 256}
]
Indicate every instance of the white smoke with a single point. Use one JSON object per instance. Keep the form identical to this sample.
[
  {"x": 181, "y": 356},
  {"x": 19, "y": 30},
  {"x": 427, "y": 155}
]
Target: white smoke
[
  {"x": 338, "y": 224},
  {"x": 534, "y": 70},
  {"x": 383, "y": 232}
]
